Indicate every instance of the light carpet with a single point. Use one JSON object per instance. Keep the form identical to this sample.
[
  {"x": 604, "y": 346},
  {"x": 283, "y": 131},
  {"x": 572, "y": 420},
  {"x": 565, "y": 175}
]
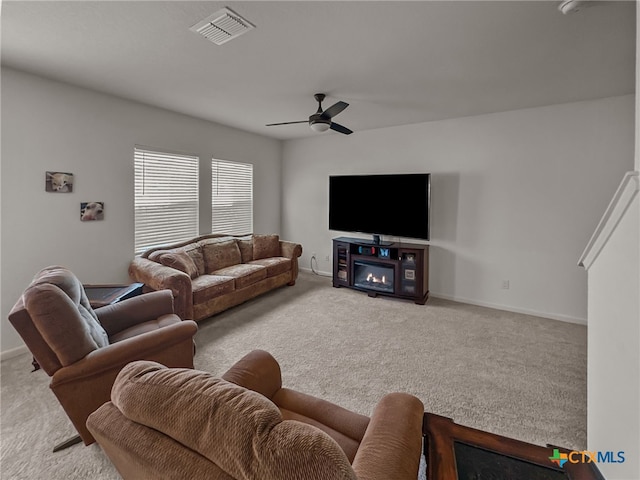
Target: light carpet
[{"x": 511, "y": 374}]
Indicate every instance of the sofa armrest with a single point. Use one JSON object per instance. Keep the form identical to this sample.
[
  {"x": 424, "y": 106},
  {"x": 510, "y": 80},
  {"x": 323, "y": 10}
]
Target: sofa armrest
[
  {"x": 257, "y": 371},
  {"x": 113, "y": 357},
  {"x": 290, "y": 249},
  {"x": 160, "y": 277},
  {"x": 127, "y": 313},
  {"x": 392, "y": 444},
  {"x": 293, "y": 251}
]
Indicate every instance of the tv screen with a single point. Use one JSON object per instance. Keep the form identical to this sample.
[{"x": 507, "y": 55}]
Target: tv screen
[{"x": 396, "y": 205}]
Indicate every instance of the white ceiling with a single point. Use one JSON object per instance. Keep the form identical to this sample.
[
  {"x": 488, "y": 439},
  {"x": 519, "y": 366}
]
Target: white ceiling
[{"x": 394, "y": 62}]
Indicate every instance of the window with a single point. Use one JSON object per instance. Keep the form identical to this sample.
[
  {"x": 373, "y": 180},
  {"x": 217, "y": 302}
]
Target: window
[
  {"x": 166, "y": 198},
  {"x": 231, "y": 197}
]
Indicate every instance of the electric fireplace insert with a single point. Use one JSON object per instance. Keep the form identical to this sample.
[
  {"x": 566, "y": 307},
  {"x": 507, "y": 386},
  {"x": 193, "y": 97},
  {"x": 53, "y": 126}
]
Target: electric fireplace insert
[{"x": 374, "y": 276}]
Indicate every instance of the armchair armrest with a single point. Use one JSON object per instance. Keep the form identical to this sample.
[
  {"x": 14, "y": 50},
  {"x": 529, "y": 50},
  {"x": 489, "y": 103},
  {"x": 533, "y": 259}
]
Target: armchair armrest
[
  {"x": 120, "y": 316},
  {"x": 343, "y": 421},
  {"x": 392, "y": 443},
  {"x": 161, "y": 277},
  {"x": 115, "y": 356},
  {"x": 257, "y": 371}
]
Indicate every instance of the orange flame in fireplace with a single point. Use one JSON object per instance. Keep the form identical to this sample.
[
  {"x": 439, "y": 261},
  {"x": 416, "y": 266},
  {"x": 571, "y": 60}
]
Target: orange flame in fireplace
[{"x": 373, "y": 279}]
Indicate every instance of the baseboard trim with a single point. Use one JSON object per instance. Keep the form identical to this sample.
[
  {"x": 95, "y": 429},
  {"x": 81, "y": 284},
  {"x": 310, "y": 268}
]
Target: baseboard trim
[
  {"x": 535, "y": 313},
  {"x": 317, "y": 272},
  {"x": 14, "y": 352}
]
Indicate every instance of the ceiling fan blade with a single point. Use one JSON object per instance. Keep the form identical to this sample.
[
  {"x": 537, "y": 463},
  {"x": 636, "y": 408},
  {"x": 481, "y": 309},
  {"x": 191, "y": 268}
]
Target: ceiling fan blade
[
  {"x": 285, "y": 123},
  {"x": 334, "y": 109},
  {"x": 339, "y": 128}
]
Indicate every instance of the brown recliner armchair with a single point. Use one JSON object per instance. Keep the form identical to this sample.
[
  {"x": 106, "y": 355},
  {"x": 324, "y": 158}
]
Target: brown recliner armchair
[
  {"x": 245, "y": 425},
  {"x": 83, "y": 350}
]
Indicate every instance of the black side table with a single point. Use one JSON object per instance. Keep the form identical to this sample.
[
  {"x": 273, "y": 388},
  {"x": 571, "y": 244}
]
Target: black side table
[{"x": 101, "y": 295}]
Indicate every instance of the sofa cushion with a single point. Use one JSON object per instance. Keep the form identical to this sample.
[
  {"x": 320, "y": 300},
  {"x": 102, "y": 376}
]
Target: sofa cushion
[
  {"x": 244, "y": 274},
  {"x": 179, "y": 260},
  {"x": 221, "y": 254},
  {"x": 239, "y": 430},
  {"x": 245, "y": 244},
  {"x": 265, "y": 246},
  {"x": 206, "y": 287},
  {"x": 155, "y": 256},
  {"x": 193, "y": 250},
  {"x": 274, "y": 265}
]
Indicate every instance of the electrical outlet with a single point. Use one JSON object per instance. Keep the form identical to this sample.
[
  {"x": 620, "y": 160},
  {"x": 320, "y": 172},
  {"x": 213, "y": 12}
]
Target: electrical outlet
[
  {"x": 505, "y": 284},
  {"x": 326, "y": 258},
  {"x": 313, "y": 255}
]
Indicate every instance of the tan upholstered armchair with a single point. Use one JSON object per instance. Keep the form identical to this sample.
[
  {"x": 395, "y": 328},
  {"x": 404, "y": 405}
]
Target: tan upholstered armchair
[
  {"x": 247, "y": 426},
  {"x": 83, "y": 350}
]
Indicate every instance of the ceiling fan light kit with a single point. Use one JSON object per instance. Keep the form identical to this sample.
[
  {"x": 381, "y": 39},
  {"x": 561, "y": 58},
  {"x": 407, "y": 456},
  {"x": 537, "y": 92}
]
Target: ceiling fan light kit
[
  {"x": 571, "y": 6},
  {"x": 321, "y": 120},
  {"x": 319, "y": 127}
]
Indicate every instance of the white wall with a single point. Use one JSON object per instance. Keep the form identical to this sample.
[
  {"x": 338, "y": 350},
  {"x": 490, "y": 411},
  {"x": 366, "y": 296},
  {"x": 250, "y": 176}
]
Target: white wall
[
  {"x": 53, "y": 126},
  {"x": 613, "y": 370},
  {"x": 637, "y": 157},
  {"x": 515, "y": 196}
]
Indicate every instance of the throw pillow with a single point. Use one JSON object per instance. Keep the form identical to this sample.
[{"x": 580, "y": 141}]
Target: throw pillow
[
  {"x": 180, "y": 261},
  {"x": 155, "y": 256},
  {"x": 265, "y": 246}
]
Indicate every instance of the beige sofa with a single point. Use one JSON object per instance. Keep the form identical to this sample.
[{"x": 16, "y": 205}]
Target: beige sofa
[{"x": 211, "y": 273}]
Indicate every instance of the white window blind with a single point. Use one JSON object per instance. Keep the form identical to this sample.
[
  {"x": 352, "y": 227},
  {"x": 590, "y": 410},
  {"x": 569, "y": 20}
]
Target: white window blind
[
  {"x": 166, "y": 198},
  {"x": 231, "y": 197}
]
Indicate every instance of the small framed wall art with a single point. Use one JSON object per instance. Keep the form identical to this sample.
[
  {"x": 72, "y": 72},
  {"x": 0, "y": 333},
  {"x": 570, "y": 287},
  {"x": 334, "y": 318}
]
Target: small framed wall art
[
  {"x": 58, "y": 182},
  {"x": 91, "y": 211}
]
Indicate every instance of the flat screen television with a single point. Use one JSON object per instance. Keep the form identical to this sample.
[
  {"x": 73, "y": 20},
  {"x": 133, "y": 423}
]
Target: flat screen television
[{"x": 397, "y": 205}]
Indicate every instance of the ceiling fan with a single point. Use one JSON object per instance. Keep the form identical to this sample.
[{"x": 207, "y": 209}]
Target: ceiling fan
[{"x": 321, "y": 120}]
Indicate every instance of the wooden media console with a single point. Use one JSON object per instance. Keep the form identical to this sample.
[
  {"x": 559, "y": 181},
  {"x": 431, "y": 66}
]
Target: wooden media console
[{"x": 393, "y": 269}]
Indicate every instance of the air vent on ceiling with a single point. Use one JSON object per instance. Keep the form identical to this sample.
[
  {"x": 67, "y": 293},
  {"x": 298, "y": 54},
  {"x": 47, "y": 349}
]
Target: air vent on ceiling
[{"x": 222, "y": 26}]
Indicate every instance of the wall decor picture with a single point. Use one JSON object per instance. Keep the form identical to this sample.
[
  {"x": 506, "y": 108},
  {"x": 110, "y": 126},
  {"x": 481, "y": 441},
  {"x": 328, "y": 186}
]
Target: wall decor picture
[
  {"x": 58, "y": 182},
  {"x": 91, "y": 211}
]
